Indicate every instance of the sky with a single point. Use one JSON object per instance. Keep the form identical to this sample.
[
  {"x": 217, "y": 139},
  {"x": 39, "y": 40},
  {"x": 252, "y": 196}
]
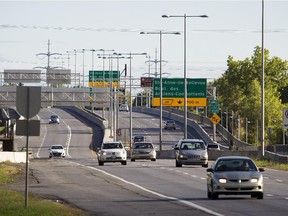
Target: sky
[{"x": 233, "y": 28}]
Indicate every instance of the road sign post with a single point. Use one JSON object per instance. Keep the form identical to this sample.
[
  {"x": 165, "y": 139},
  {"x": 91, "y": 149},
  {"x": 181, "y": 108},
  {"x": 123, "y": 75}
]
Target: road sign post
[{"x": 28, "y": 103}]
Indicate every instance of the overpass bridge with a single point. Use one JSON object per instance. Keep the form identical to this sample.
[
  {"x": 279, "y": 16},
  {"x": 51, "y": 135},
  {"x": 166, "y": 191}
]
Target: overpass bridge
[{"x": 98, "y": 97}]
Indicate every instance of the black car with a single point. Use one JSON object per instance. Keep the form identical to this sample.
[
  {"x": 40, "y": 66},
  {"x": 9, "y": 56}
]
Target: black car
[{"x": 139, "y": 138}]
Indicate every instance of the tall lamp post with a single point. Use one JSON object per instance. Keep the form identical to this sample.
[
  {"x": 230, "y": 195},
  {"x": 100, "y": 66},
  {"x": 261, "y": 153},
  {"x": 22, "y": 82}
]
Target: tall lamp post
[
  {"x": 130, "y": 88},
  {"x": 185, "y": 73},
  {"x": 161, "y": 107},
  {"x": 262, "y": 139}
]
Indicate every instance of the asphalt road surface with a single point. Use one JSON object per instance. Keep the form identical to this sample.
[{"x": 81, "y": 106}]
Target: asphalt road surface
[{"x": 139, "y": 188}]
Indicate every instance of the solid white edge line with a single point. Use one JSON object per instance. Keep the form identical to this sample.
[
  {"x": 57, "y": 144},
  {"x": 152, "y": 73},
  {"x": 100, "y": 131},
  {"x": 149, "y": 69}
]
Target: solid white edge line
[
  {"x": 191, "y": 204},
  {"x": 44, "y": 137}
]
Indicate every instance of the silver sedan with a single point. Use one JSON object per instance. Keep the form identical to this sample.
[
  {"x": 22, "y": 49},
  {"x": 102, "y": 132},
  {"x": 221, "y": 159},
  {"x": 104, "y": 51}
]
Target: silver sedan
[{"x": 234, "y": 175}]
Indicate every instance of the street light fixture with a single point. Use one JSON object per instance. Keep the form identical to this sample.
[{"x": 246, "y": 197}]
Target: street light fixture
[
  {"x": 161, "y": 106},
  {"x": 185, "y": 73},
  {"x": 130, "y": 88}
]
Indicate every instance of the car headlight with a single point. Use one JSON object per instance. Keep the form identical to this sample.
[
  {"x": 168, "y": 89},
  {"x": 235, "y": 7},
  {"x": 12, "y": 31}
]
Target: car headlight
[
  {"x": 182, "y": 156},
  {"x": 104, "y": 153},
  {"x": 222, "y": 180},
  {"x": 254, "y": 180}
]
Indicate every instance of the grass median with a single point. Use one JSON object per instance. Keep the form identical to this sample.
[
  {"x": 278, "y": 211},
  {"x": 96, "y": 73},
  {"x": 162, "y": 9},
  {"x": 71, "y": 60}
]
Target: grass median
[{"x": 13, "y": 202}]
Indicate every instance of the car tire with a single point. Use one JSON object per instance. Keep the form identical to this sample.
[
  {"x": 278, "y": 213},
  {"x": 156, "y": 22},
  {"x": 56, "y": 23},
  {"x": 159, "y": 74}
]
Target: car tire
[
  {"x": 260, "y": 196},
  {"x": 101, "y": 163},
  {"x": 214, "y": 196},
  {"x": 153, "y": 159},
  {"x": 133, "y": 159},
  {"x": 178, "y": 164},
  {"x": 124, "y": 162},
  {"x": 205, "y": 165},
  {"x": 209, "y": 194}
]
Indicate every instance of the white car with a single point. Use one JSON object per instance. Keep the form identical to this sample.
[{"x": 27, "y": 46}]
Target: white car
[
  {"x": 112, "y": 152},
  {"x": 123, "y": 107},
  {"x": 57, "y": 151},
  {"x": 191, "y": 152}
]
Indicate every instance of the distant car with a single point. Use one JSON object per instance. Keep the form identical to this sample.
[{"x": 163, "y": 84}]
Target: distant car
[
  {"x": 143, "y": 150},
  {"x": 213, "y": 146},
  {"x": 57, "y": 151},
  {"x": 112, "y": 152},
  {"x": 124, "y": 107},
  {"x": 170, "y": 124},
  {"x": 235, "y": 175},
  {"x": 54, "y": 119},
  {"x": 138, "y": 138},
  {"x": 191, "y": 152}
]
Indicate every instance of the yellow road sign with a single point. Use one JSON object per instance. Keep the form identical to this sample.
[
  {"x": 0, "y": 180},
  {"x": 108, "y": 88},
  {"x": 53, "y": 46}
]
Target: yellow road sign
[
  {"x": 215, "y": 119},
  {"x": 194, "y": 102},
  {"x": 103, "y": 84}
]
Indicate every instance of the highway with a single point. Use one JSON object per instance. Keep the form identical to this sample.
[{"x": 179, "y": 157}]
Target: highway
[{"x": 141, "y": 187}]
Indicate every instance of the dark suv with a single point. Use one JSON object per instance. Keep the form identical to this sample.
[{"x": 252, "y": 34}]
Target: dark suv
[{"x": 170, "y": 124}]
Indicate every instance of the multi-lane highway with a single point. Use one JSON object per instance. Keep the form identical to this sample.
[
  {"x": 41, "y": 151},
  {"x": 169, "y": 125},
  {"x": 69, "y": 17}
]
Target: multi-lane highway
[{"x": 141, "y": 187}]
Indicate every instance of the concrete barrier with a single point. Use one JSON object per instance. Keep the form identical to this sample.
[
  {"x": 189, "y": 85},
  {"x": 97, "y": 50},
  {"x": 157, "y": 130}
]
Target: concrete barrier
[{"x": 14, "y": 157}]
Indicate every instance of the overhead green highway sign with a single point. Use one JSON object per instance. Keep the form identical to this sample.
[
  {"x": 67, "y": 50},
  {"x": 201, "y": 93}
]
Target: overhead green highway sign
[{"x": 173, "y": 92}]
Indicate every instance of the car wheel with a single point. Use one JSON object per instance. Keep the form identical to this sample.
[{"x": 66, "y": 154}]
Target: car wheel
[
  {"x": 214, "y": 196},
  {"x": 205, "y": 165},
  {"x": 178, "y": 164},
  {"x": 260, "y": 196},
  {"x": 133, "y": 159},
  {"x": 209, "y": 194},
  {"x": 153, "y": 159},
  {"x": 101, "y": 163},
  {"x": 124, "y": 162}
]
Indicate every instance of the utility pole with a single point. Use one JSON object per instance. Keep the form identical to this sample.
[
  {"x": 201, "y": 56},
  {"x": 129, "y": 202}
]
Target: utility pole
[{"x": 48, "y": 54}]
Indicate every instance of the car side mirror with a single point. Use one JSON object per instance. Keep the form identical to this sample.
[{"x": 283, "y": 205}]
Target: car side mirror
[
  {"x": 261, "y": 169},
  {"x": 209, "y": 170}
]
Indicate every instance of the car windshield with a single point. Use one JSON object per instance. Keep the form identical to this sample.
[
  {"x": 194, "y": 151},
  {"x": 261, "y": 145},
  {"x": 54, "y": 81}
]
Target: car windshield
[
  {"x": 112, "y": 146},
  {"x": 192, "y": 146},
  {"x": 57, "y": 147},
  {"x": 54, "y": 116},
  {"x": 170, "y": 122},
  {"x": 143, "y": 146},
  {"x": 235, "y": 165},
  {"x": 138, "y": 138}
]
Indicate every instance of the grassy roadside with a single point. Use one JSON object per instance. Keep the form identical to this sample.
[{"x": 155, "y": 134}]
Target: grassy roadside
[
  {"x": 13, "y": 203},
  {"x": 270, "y": 164}
]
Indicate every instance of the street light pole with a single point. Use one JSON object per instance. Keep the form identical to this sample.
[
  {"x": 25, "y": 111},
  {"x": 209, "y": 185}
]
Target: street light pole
[
  {"x": 161, "y": 105},
  {"x": 130, "y": 88},
  {"x": 262, "y": 139},
  {"x": 185, "y": 72}
]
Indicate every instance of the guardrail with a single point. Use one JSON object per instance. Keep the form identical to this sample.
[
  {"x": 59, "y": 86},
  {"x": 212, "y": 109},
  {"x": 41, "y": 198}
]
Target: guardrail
[{"x": 239, "y": 147}]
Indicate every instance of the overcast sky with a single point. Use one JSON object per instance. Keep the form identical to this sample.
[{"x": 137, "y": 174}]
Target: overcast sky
[{"x": 233, "y": 28}]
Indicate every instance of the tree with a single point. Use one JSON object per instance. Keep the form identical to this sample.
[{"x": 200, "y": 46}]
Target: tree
[{"x": 239, "y": 89}]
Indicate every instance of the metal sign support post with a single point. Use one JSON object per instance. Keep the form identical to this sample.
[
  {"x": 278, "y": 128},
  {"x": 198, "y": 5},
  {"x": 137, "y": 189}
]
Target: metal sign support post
[{"x": 27, "y": 141}]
